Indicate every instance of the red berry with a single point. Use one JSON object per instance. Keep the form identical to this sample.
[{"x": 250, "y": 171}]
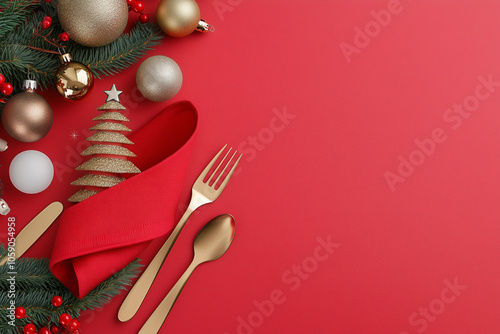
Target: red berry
[
  {"x": 6, "y": 88},
  {"x": 54, "y": 329},
  {"x": 130, "y": 2},
  {"x": 64, "y": 319},
  {"x": 144, "y": 18},
  {"x": 64, "y": 37},
  {"x": 48, "y": 0},
  {"x": 2, "y": 79},
  {"x": 48, "y": 18},
  {"x": 45, "y": 24},
  {"x": 73, "y": 325},
  {"x": 20, "y": 312},
  {"x": 137, "y": 6},
  {"x": 43, "y": 330},
  {"x": 29, "y": 329},
  {"x": 57, "y": 301}
]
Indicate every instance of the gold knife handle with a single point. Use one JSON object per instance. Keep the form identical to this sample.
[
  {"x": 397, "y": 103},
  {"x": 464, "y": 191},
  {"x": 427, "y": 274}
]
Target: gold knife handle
[
  {"x": 156, "y": 320},
  {"x": 35, "y": 228},
  {"x": 136, "y": 296}
]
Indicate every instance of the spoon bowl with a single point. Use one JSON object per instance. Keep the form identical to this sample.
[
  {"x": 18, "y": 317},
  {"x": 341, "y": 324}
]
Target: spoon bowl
[
  {"x": 211, "y": 243},
  {"x": 214, "y": 239}
]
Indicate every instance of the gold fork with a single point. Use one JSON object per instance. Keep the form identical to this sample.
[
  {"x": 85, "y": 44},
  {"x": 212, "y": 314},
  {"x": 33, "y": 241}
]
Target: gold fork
[{"x": 202, "y": 193}]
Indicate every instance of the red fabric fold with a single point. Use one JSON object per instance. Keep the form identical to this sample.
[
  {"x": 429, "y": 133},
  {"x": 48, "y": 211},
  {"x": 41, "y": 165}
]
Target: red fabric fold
[{"x": 107, "y": 231}]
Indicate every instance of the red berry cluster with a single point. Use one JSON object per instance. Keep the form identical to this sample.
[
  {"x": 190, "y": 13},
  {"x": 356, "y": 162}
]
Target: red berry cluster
[
  {"x": 138, "y": 7},
  {"x": 67, "y": 324},
  {"x": 64, "y": 36},
  {"x": 5, "y": 87},
  {"x": 47, "y": 21}
]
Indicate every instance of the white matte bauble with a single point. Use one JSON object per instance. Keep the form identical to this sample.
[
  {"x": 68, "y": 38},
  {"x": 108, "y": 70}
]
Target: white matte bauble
[
  {"x": 31, "y": 172},
  {"x": 159, "y": 78}
]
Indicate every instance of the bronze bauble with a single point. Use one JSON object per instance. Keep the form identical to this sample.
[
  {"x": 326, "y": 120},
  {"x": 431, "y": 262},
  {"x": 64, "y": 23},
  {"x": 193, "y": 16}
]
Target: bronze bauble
[
  {"x": 178, "y": 18},
  {"x": 27, "y": 116},
  {"x": 73, "y": 79},
  {"x": 93, "y": 22}
]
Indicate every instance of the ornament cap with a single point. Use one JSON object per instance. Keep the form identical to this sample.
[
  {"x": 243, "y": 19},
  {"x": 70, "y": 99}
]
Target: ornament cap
[
  {"x": 203, "y": 26},
  {"x": 4, "y": 207},
  {"x": 30, "y": 84},
  {"x": 3, "y": 146},
  {"x": 65, "y": 58}
]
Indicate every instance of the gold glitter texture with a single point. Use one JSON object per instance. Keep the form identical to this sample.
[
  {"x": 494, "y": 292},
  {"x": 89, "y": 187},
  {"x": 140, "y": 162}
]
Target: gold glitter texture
[
  {"x": 109, "y": 155},
  {"x": 94, "y": 180},
  {"x": 110, "y": 126},
  {"x": 93, "y": 22},
  {"x": 112, "y": 105},
  {"x": 108, "y": 149},
  {"x": 110, "y": 137},
  {"x": 111, "y": 116},
  {"x": 81, "y": 195},
  {"x": 110, "y": 165}
]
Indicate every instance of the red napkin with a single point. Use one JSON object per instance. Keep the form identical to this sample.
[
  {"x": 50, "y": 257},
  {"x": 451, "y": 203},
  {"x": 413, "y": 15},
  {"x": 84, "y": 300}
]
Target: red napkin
[{"x": 105, "y": 232}]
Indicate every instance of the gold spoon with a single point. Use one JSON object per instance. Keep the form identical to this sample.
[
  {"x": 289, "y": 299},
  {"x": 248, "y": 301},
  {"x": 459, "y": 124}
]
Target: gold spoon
[{"x": 211, "y": 243}]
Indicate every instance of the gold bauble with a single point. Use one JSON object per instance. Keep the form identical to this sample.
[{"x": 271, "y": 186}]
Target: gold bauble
[
  {"x": 93, "y": 22},
  {"x": 178, "y": 18},
  {"x": 27, "y": 116},
  {"x": 73, "y": 79}
]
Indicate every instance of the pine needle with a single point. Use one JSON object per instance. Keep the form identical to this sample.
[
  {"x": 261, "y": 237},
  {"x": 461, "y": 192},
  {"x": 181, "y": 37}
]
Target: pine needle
[
  {"x": 18, "y": 20},
  {"x": 35, "y": 287}
]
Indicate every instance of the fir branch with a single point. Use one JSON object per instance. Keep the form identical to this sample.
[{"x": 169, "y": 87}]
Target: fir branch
[
  {"x": 13, "y": 13},
  {"x": 120, "y": 54},
  {"x": 19, "y": 52},
  {"x": 35, "y": 287}
]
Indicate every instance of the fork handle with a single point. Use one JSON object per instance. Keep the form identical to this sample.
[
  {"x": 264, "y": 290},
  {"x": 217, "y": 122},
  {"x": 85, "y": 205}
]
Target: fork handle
[
  {"x": 156, "y": 320},
  {"x": 136, "y": 296}
]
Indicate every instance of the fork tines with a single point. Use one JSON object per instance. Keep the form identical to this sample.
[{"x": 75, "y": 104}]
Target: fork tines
[{"x": 224, "y": 169}]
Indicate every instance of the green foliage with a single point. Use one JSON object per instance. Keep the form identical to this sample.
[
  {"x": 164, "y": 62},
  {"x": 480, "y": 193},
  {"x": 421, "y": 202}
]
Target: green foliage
[
  {"x": 18, "y": 54},
  {"x": 35, "y": 287},
  {"x": 15, "y": 12}
]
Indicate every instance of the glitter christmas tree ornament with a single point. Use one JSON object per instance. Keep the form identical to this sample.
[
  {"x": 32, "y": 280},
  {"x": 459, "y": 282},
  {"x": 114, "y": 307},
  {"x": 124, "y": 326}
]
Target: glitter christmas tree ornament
[{"x": 109, "y": 158}]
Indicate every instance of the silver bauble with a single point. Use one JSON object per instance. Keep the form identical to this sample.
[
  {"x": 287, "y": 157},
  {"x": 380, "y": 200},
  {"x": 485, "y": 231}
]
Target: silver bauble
[{"x": 159, "y": 78}]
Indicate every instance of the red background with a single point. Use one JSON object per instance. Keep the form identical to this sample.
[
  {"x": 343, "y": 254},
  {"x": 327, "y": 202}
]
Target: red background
[{"x": 323, "y": 174}]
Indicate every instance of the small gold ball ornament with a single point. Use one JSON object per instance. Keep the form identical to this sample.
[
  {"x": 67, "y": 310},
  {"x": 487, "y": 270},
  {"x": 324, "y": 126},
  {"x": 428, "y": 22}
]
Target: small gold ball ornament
[
  {"x": 179, "y": 18},
  {"x": 73, "y": 79},
  {"x": 27, "y": 116},
  {"x": 93, "y": 22}
]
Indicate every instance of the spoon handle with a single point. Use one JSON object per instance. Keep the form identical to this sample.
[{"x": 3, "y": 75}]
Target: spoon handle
[
  {"x": 156, "y": 320},
  {"x": 135, "y": 297}
]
